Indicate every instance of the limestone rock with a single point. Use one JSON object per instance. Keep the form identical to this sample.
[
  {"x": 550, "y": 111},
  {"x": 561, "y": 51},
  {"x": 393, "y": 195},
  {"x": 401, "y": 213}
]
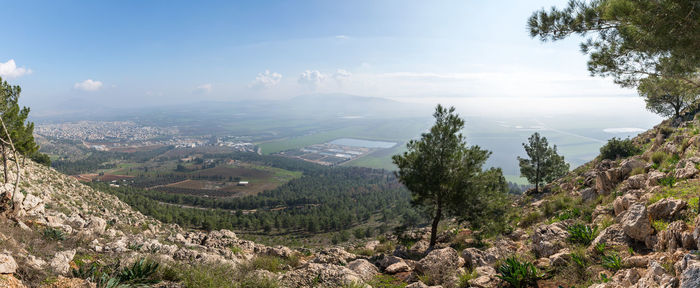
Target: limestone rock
[
  {"x": 667, "y": 208},
  {"x": 653, "y": 178},
  {"x": 686, "y": 169},
  {"x": 549, "y": 239},
  {"x": 320, "y": 275},
  {"x": 7, "y": 263},
  {"x": 636, "y": 223},
  {"x": 612, "y": 236},
  {"x": 363, "y": 268},
  {"x": 397, "y": 267},
  {"x": 61, "y": 261},
  {"x": 441, "y": 265},
  {"x": 691, "y": 276},
  {"x": 622, "y": 203}
]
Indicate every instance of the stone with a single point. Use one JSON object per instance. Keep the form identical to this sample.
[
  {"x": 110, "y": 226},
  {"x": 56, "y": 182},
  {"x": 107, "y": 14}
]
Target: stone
[
  {"x": 638, "y": 181},
  {"x": 475, "y": 257},
  {"x": 418, "y": 284},
  {"x": 691, "y": 276},
  {"x": 672, "y": 237},
  {"x": 549, "y": 239},
  {"x": 388, "y": 260},
  {"x": 7, "y": 263},
  {"x": 441, "y": 265},
  {"x": 635, "y": 223},
  {"x": 685, "y": 170},
  {"x": 614, "y": 235},
  {"x": 320, "y": 275},
  {"x": 561, "y": 258},
  {"x": 63, "y": 282},
  {"x": 61, "y": 261},
  {"x": 653, "y": 178},
  {"x": 622, "y": 203},
  {"x": 588, "y": 194},
  {"x": 371, "y": 245},
  {"x": 362, "y": 267},
  {"x": 666, "y": 209},
  {"x": 397, "y": 268}
]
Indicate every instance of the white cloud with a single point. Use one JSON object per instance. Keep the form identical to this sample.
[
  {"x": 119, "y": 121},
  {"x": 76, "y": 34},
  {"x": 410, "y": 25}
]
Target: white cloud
[
  {"x": 341, "y": 75},
  {"x": 204, "y": 88},
  {"x": 266, "y": 79},
  {"x": 312, "y": 78},
  {"x": 88, "y": 85},
  {"x": 10, "y": 69},
  {"x": 342, "y": 37}
]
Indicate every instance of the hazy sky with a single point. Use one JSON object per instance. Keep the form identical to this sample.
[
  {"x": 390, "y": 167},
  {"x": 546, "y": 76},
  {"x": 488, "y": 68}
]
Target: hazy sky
[{"x": 174, "y": 51}]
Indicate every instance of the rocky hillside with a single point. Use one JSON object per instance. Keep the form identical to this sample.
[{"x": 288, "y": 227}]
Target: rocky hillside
[{"x": 629, "y": 222}]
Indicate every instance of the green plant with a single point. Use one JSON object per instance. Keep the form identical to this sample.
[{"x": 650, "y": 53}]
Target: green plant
[
  {"x": 657, "y": 158},
  {"x": 668, "y": 181},
  {"x": 579, "y": 259},
  {"x": 54, "y": 234},
  {"x": 604, "y": 278},
  {"x": 659, "y": 225},
  {"x": 529, "y": 219},
  {"x": 619, "y": 148},
  {"x": 386, "y": 281},
  {"x": 140, "y": 272},
  {"x": 465, "y": 277},
  {"x": 611, "y": 262},
  {"x": 600, "y": 248},
  {"x": 581, "y": 234},
  {"x": 518, "y": 274}
]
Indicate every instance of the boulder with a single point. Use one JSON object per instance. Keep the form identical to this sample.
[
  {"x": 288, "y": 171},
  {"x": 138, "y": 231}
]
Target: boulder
[
  {"x": 334, "y": 255},
  {"x": 549, "y": 239},
  {"x": 636, "y": 223},
  {"x": 61, "y": 261},
  {"x": 441, "y": 265},
  {"x": 388, "y": 260},
  {"x": 96, "y": 225},
  {"x": 666, "y": 209},
  {"x": 635, "y": 182},
  {"x": 362, "y": 267},
  {"x": 588, "y": 194},
  {"x": 321, "y": 275},
  {"x": 656, "y": 276},
  {"x": 561, "y": 258},
  {"x": 612, "y": 236},
  {"x": 623, "y": 202},
  {"x": 475, "y": 257},
  {"x": 7, "y": 263},
  {"x": 675, "y": 236},
  {"x": 629, "y": 164},
  {"x": 696, "y": 232},
  {"x": 371, "y": 245},
  {"x": 653, "y": 178},
  {"x": 636, "y": 261},
  {"x": 418, "y": 284},
  {"x": 686, "y": 169},
  {"x": 691, "y": 276},
  {"x": 397, "y": 267}
]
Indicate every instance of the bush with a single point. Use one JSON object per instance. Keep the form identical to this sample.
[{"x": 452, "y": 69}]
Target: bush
[
  {"x": 581, "y": 234},
  {"x": 667, "y": 181},
  {"x": 518, "y": 274},
  {"x": 55, "y": 234},
  {"x": 142, "y": 273},
  {"x": 619, "y": 148},
  {"x": 611, "y": 262},
  {"x": 529, "y": 219},
  {"x": 657, "y": 158}
]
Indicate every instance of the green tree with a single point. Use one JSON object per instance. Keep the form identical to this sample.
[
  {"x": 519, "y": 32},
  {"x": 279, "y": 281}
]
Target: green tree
[
  {"x": 629, "y": 39},
  {"x": 445, "y": 176},
  {"x": 20, "y": 131},
  {"x": 544, "y": 165},
  {"x": 667, "y": 97}
]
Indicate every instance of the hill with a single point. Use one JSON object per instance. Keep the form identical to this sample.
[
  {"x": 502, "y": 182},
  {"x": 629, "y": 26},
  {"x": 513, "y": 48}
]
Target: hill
[{"x": 629, "y": 222}]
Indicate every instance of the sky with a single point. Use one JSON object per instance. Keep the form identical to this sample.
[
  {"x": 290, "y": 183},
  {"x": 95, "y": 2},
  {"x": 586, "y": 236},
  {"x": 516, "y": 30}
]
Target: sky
[{"x": 153, "y": 52}]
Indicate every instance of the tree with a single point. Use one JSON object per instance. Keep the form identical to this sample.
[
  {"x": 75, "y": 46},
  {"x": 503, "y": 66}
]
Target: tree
[
  {"x": 667, "y": 97},
  {"x": 629, "y": 39},
  {"x": 544, "y": 164},
  {"x": 17, "y": 128},
  {"x": 445, "y": 176}
]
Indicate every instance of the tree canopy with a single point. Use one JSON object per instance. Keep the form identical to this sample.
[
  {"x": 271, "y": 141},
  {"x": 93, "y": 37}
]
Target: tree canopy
[
  {"x": 667, "y": 96},
  {"x": 544, "y": 165},
  {"x": 629, "y": 40},
  {"x": 446, "y": 178}
]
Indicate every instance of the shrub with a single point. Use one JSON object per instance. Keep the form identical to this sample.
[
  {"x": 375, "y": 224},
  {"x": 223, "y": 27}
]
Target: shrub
[
  {"x": 659, "y": 225},
  {"x": 600, "y": 248},
  {"x": 140, "y": 272},
  {"x": 611, "y": 262},
  {"x": 529, "y": 219},
  {"x": 668, "y": 181},
  {"x": 657, "y": 158},
  {"x": 55, "y": 234},
  {"x": 581, "y": 234},
  {"x": 518, "y": 274},
  {"x": 619, "y": 148}
]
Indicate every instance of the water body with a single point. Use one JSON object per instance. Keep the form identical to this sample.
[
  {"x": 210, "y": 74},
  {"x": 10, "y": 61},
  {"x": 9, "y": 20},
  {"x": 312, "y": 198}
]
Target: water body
[{"x": 362, "y": 143}]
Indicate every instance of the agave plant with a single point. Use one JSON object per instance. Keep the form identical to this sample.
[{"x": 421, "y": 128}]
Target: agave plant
[
  {"x": 581, "y": 234},
  {"x": 612, "y": 262},
  {"x": 139, "y": 273},
  {"x": 519, "y": 274}
]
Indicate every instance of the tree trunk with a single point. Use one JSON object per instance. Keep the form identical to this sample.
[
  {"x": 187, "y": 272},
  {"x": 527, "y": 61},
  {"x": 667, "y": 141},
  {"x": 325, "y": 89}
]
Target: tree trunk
[
  {"x": 434, "y": 227},
  {"x": 4, "y": 162}
]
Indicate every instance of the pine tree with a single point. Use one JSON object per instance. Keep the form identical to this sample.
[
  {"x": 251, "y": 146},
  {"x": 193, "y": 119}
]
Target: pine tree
[
  {"x": 445, "y": 176},
  {"x": 544, "y": 165}
]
